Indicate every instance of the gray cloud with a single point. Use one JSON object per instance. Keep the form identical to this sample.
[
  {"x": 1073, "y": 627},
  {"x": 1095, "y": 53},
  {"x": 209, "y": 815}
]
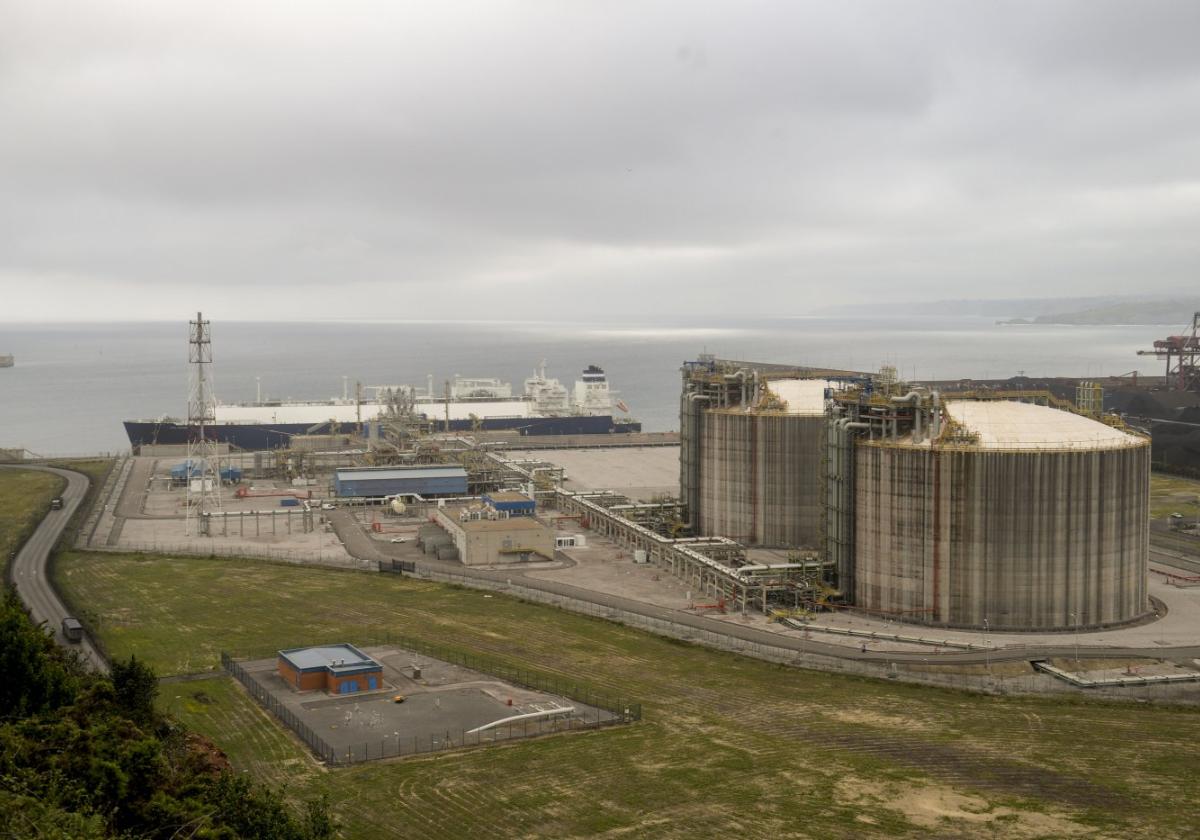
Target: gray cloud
[{"x": 510, "y": 160}]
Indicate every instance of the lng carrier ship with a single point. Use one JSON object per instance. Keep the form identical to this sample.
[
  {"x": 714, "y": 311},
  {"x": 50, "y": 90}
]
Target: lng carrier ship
[{"x": 546, "y": 407}]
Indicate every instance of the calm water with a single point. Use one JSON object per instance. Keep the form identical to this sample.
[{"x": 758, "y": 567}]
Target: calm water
[{"x": 73, "y": 384}]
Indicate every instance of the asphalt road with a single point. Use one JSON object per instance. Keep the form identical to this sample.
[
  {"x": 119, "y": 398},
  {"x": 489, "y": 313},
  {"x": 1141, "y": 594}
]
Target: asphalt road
[
  {"x": 359, "y": 545},
  {"x": 29, "y": 566}
]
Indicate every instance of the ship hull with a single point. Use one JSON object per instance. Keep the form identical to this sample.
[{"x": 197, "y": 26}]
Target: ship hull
[{"x": 279, "y": 435}]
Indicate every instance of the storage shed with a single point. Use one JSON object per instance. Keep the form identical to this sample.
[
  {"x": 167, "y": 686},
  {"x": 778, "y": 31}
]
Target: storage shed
[
  {"x": 376, "y": 482},
  {"x": 337, "y": 669}
]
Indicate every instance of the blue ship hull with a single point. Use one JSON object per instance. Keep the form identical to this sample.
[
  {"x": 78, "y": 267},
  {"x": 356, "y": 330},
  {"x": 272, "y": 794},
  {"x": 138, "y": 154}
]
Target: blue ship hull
[{"x": 279, "y": 435}]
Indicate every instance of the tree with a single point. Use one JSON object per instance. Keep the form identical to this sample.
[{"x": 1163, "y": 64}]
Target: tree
[
  {"x": 37, "y": 677},
  {"x": 318, "y": 821},
  {"x": 136, "y": 687}
]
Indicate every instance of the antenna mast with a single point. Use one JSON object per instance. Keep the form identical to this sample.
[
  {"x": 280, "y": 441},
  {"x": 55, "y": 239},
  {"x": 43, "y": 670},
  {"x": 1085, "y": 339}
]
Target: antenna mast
[{"x": 203, "y": 467}]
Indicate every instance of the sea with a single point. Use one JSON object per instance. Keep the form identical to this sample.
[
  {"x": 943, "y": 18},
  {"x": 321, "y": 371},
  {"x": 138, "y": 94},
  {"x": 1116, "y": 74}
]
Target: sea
[{"x": 73, "y": 384}]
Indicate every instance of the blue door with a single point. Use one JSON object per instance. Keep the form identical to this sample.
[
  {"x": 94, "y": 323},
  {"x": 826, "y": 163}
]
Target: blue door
[
  {"x": 371, "y": 684},
  {"x": 348, "y": 687}
]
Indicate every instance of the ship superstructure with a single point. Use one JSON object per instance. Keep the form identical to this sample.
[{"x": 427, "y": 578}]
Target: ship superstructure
[{"x": 546, "y": 407}]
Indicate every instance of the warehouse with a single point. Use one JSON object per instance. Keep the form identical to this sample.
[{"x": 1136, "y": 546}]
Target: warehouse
[
  {"x": 336, "y": 669},
  {"x": 377, "y": 482}
]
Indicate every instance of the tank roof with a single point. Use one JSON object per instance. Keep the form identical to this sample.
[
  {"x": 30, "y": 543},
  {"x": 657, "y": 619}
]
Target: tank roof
[
  {"x": 1011, "y": 425},
  {"x": 803, "y": 396}
]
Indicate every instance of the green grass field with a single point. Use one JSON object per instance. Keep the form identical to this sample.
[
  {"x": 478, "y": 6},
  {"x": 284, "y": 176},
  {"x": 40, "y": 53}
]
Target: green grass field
[
  {"x": 24, "y": 498},
  {"x": 1173, "y": 494},
  {"x": 729, "y": 746}
]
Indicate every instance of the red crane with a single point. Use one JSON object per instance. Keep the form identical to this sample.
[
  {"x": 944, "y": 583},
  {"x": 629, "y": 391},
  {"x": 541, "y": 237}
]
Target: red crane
[{"x": 1182, "y": 355}]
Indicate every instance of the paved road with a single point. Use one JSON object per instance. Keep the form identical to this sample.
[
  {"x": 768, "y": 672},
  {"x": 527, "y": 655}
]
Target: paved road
[
  {"x": 29, "y": 567},
  {"x": 359, "y": 545}
]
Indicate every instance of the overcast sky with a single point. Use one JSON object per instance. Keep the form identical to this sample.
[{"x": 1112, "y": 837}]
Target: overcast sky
[{"x": 572, "y": 159}]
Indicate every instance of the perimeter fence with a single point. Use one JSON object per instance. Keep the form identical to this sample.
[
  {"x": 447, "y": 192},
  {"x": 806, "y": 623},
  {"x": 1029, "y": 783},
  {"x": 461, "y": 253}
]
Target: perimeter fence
[
  {"x": 320, "y": 747},
  {"x": 245, "y": 554},
  {"x": 605, "y": 709}
]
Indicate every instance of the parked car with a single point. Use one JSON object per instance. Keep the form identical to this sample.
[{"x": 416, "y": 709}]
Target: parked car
[
  {"x": 56, "y": 503},
  {"x": 399, "y": 539},
  {"x": 328, "y": 506}
]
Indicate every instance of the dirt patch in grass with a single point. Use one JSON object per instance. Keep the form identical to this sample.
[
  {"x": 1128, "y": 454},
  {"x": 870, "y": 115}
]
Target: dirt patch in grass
[
  {"x": 938, "y": 808},
  {"x": 859, "y": 715}
]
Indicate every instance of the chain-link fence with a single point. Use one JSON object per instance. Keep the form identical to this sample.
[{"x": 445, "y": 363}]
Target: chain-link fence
[
  {"x": 267, "y": 700},
  {"x": 605, "y": 709},
  {"x": 328, "y": 558}
]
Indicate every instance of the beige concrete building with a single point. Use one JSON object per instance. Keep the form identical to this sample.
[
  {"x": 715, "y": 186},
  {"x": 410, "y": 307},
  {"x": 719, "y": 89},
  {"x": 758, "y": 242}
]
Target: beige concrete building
[{"x": 490, "y": 542}]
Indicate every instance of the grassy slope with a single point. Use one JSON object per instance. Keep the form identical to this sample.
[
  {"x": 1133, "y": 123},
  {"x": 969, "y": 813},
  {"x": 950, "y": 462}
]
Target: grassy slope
[
  {"x": 730, "y": 746},
  {"x": 24, "y": 499}
]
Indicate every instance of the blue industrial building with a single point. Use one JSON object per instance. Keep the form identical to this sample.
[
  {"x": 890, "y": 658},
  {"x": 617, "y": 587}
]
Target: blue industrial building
[
  {"x": 180, "y": 472},
  {"x": 376, "y": 482},
  {"x": 510, "y": 502}
]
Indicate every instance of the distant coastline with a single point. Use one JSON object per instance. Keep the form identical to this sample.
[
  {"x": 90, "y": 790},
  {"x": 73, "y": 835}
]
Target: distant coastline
[{"x": 1134, "y": 314}]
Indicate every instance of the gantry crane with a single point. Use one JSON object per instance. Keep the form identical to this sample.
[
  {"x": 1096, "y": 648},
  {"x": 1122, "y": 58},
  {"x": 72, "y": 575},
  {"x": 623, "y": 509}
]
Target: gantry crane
[{"x": 1182, "y": 355}]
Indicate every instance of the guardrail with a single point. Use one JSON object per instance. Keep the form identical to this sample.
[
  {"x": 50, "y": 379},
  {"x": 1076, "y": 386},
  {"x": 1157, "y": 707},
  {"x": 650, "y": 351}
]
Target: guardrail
[
  {"x": 1113, "y": 682},
  {"x": 883, "y": 637}
]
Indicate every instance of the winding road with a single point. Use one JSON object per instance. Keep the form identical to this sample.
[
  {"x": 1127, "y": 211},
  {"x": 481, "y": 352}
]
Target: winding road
[{"x": 28, "y": 571}]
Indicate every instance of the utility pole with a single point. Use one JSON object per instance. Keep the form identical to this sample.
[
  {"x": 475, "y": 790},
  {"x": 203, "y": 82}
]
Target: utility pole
[{"x": 203, "y": 470}]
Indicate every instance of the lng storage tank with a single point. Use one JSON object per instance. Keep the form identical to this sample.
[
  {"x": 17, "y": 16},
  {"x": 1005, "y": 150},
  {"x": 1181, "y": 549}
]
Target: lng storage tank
[
  {"x": 988, "y": 510},
  {"x": 1019, "y": 516}
]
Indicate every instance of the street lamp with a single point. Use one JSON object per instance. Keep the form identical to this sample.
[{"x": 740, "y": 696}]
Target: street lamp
[
  {"x": 1076, "y": 625},
  {"x": 987, "y": 641}
]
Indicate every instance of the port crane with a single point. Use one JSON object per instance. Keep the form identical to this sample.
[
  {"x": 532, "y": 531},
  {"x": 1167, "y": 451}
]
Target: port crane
[{"x": 1182, "y": 355}]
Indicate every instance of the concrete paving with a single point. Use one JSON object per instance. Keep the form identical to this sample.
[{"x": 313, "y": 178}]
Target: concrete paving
[
  {"x": 150, "y": 516},
  {"x": 439, "y": 709},
  {"x": 639, "y": 472}
]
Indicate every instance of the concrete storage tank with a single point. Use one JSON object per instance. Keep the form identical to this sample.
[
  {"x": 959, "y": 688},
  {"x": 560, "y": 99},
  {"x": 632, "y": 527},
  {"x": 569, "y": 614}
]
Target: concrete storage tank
[
  {"x": 1018, "y": 516},
  {"x": 759, "y": 467}
]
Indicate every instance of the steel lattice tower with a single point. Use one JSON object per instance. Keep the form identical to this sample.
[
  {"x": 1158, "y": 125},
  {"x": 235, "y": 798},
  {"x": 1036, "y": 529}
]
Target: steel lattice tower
[{"x": 203, "y": 467}]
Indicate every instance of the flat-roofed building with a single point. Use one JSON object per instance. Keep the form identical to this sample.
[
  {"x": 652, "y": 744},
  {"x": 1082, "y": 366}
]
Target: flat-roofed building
[
  {"x": 510, "y": 502},
  {"x": 337, "y": 669},
  {"x": 490, "y": 542},
  {"x": 377, "y": 482}
]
